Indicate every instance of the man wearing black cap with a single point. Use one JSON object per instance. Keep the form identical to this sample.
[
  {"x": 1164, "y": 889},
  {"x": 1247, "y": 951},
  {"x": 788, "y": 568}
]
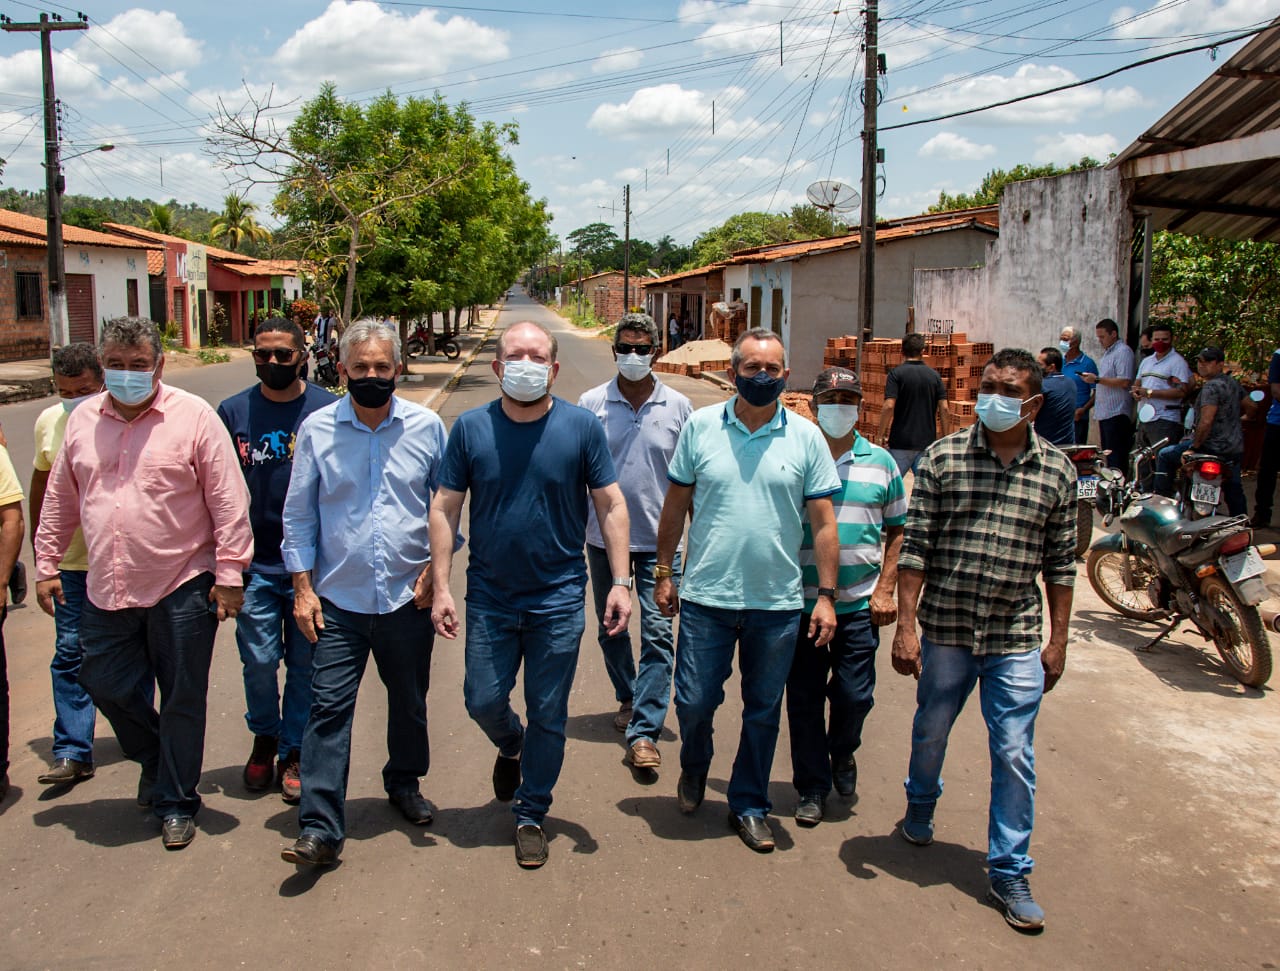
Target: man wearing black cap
[
  {"x": 874, "y": 506},
  {"x": 1215, "y": 429}
]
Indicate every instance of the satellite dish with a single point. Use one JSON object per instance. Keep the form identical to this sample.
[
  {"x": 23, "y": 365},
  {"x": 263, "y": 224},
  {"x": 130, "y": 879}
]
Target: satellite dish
[{"x": 833, "y": 196}]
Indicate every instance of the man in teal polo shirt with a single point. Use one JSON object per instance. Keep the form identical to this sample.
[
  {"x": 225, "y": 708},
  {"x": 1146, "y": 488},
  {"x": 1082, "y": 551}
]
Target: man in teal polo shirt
[
  {"x": 870, "y": 512},
  {"x": 749, "y": 472}
]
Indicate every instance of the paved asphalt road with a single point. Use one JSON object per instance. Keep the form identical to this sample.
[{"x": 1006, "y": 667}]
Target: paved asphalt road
[{"x": 1156, "y": 837}]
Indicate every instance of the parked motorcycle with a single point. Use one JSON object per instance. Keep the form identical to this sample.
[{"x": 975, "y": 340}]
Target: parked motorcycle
[
  {"x": 1088, "y": 460},
  {"x": 325, "y": 360},
  {"x": 1200, "y": 481},
  {"x": 424, "y": 341},
  {"x": 1163, "y": 566}
]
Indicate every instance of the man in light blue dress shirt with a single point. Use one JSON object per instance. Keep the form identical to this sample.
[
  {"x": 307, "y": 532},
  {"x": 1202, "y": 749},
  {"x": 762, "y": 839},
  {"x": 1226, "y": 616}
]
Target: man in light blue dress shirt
[{"x": 355, "y": 542}]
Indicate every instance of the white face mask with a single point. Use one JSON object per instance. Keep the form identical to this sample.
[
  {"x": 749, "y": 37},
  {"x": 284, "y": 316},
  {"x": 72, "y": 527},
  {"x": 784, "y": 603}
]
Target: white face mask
[
  {"x": 837, "y": 420},
  {"x": 635, "y": 367},
  {"x": 70, "y": 404},
  {"x": 525, "y": 380}
]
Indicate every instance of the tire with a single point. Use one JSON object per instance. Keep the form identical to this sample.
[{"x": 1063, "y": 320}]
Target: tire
[
  {"x": 1244, "y": 648},
  {"x": 1084, "y": 527},
  {"x": 451, "y": 349},
  {"x": 414, "y": 346},
  {"x": 1106, "y": 575}
]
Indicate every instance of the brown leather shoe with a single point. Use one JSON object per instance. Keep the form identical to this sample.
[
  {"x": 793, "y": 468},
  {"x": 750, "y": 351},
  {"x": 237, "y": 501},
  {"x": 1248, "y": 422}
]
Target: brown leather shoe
[
  {"x": 66, "y": 772},
  {"x": 623, "y": 718},
  {"x": 643, "y": 754}
]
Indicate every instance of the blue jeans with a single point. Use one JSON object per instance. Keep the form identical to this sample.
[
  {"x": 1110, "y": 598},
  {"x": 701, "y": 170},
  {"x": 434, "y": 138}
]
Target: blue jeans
[
  {"x": 401, "y": 644},
  {"x": 1170, "y": 458},
  {"x": 649, "y": 687},
  {"x": 843, "y": 672},
  {"x": 73, "y": 710},
  {"x": 766, "y": 643},
  {"x": 266, "y": 634},
  {"x": 130, "y": 651},
  {"x": 1011, "y": 686},
  {"x": 907, "y": 458},
  {"x": 498, "y": 639}
]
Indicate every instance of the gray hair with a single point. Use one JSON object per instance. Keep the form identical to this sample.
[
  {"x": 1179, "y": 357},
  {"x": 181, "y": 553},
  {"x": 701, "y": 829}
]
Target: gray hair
[
  {"x": 1073, "y": 335},
  {"x": 755, "y": 334},
  {"x": 641, "y": 323},
  {"x": 73, "y": 360},
  {"x": 131, "y": 332},
  {"x": 502, "y": 339},
  {"x": 363, "y": 332}
]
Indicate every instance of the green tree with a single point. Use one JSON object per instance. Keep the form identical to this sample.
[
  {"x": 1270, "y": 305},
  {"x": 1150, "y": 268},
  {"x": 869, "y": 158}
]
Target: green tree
[
  {"x": 993, "y": 183},
  {"x": 598, "y": 244},
  {"x": 237, "y": 224},
  {"x": 161, "y": 219},
  {"x": 743, "y": 231},
  {"x": 86, "y": 217}
]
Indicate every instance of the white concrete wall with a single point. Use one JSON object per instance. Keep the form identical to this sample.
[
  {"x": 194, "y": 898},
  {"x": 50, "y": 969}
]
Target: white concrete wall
[
  {"x": 737, "y": 277},
  {"x": 1062, "y": 259},
  {"x": 110, "y": 269}
]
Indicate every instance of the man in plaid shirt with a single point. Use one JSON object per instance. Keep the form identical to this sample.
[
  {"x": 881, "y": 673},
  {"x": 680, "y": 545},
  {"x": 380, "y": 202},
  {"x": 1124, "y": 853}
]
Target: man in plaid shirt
[{"x": 992, "y": 508}]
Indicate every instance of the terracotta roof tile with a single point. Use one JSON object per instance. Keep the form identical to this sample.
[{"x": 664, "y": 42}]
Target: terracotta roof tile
[
  {"x": 155, "y": 262},
  {"x": 20, "y": 224}
]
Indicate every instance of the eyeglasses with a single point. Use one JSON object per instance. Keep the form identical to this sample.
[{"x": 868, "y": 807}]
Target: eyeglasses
[
  {"x": 281, "y": 355},
  {"x": 643, "y": 349}
]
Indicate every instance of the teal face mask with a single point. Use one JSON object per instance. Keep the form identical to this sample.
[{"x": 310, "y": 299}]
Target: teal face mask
[{"x": 998, "y": 412}]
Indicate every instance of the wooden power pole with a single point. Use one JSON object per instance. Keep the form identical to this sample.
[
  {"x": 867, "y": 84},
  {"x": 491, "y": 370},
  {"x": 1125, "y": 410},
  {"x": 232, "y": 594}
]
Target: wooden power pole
[
  {"x": 867, "y": 245},
  {"x": 626, "y": 249}
]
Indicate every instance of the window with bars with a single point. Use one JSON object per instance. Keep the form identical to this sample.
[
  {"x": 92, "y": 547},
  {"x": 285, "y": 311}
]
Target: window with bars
[{"x": 27, "y": 289}]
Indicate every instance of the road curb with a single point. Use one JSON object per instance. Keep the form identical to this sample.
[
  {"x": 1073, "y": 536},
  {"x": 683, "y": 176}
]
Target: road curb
[{"x": 462, "y": 364}]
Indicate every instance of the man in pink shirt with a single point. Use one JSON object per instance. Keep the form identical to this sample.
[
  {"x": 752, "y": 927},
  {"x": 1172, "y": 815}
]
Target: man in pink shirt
[{"x": 150, "y": 475}]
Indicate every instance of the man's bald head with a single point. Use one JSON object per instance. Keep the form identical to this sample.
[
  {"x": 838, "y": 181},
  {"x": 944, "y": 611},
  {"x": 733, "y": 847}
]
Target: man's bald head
[{"x": 522, "y": 333}]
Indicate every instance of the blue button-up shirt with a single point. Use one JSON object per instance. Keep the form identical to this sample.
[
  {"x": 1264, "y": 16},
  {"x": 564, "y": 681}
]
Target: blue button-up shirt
[{"x": 356, "y": 511}]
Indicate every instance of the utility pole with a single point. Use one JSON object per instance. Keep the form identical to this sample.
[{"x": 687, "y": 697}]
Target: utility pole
[
  {"x": 58, "y": 329},
  {"x": 870, "y": 153},
  {"x": 626, "y": 248}
]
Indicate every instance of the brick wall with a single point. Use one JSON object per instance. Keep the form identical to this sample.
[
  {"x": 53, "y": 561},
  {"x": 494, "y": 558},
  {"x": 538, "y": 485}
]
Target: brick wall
[{"x": 22, "y": 340}]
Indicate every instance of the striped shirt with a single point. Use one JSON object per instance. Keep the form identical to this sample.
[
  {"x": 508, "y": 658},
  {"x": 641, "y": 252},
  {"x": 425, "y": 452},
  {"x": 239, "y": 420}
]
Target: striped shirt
[
  {"x": 871, "y": 497},
  {"x": 981, "y": 533}
]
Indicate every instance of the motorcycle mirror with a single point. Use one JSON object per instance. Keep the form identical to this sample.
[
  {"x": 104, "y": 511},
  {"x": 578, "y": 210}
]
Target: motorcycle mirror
[
  {"x": 1147, "y": 412},
  {"x": 1256, "y": 396}
]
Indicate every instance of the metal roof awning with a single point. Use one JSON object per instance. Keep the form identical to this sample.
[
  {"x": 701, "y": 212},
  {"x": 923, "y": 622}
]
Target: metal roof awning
[{"x": 1211, "y": 165}]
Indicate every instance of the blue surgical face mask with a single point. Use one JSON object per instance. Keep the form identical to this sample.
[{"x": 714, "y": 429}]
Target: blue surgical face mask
[
  {"x": 1064, "y": 346},
  {"x": 837, "y": 420},
  {"x": 70, "y": 404},
  {"x": 998, "y": 412},
  {"x": 760, "y": 389},
  {"x": 128, "y": 387},
  {"x": 525, "y": 380}
]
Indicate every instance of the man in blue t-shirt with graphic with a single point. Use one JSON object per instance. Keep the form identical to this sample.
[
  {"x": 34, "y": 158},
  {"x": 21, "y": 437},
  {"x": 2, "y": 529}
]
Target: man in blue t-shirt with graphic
[
  {"x": 531, "y": 461},
  {"x": 1269, "y": 464},
  {"x": 263, "y": 422}
]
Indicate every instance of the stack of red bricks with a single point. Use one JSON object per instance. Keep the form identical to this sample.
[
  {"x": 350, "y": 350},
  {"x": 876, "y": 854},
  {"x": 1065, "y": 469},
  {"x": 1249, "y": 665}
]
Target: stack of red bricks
[
  {"x": 691, "y": 369},
  {"x": 953, "y": 356}
]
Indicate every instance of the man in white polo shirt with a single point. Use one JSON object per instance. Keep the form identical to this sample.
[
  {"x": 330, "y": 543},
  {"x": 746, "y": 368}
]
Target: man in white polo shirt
[{"x": 749, "y": 473}]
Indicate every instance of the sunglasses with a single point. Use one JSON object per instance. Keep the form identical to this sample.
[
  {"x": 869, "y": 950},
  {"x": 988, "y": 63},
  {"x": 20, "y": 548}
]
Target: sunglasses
[
  {"x": 643, "y": 349},
  {"x": 281, "y": 355}
]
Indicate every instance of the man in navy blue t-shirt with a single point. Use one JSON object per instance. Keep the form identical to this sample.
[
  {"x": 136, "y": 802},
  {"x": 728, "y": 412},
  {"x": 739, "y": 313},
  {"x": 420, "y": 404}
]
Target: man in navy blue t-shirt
[
  {"x": 1269, "y": 463},
  {"x": 263, "y": 422},
  {"x": 531, "y": 461}
]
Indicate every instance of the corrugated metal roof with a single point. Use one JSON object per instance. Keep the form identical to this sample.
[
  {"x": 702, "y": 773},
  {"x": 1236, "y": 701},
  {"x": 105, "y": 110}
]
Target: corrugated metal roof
[
  {"x": 34, "y": 227},
  {"x": 1236, "y": 201}
]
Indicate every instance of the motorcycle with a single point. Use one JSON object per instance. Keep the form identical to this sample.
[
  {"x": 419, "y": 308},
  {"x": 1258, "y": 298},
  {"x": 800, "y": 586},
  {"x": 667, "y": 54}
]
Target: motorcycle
[
  {"x": 1163, "y": 566},
  {"x": 1090, "y": 468},
  {"x": 325, "y": 359},
  {"x": 423, "y": 341},
  {"x": 1200, "y": 481}
]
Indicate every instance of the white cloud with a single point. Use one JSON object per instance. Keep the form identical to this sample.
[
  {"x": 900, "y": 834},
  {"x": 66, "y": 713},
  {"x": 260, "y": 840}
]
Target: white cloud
[
  {"x": 549, "y": 79},
  {"x": 618, "y": 59},
  {"x": 1165, "y": 19},
  {"x": 158, "y": 36},
  {"x": 666, "y": 108},
  {"x": 949, "y": 145},
  {"x": 1065, "y": 107},
  {"x": 1065, "y": 148},
  {"x": 359, "y": 44}
]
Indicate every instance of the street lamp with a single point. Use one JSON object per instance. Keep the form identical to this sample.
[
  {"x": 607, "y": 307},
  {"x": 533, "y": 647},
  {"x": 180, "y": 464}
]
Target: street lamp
[{"x": 59, "y": 332}]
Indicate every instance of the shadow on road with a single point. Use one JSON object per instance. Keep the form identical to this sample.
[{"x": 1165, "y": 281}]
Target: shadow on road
[
  {"x": 710, "y": 822},
  {"x": 106, "y": 751},
  {"x": 598, "y": 727},
  {"x": 119, "y": 822},
  {"x": 926, "y": 866},
  {"x": 229, "y": 781}
]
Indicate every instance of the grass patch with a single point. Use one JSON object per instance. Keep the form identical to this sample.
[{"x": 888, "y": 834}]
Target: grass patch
[{"x": 209, "y": 355}]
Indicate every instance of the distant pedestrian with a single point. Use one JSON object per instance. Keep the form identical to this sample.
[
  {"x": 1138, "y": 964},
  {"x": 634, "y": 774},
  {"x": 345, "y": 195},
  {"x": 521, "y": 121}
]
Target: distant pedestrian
[
  {"x": 673, "y": 332},
  {"x": 324, "y": 325},
  {"x": 870, "y": 510},
  {"x": 992, "y": 511},
  {"x": 1112, "y": 381},
  {"x": 1269, "y": 463},
  {"x": 531, "y": 463},
  {"x": 749, "y": 472},
  {"x": 263, "y": 423},
  {"x": 915, "y": 404},
  {"x": 10, "y": 545},
  {"x": 151, "y": 476},
  {"x": 364, "y": 470},
  {"x": 642, "y": 419},
  {"x": 1054, "y": 422},
  {"x": 1162, "y": 383},
  {"x": 1075, "y": 364},
  {"x": 77, "y": 375}
]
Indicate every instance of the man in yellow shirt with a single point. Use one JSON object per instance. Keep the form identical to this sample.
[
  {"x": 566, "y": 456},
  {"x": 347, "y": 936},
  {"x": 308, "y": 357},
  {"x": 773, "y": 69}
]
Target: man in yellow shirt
[
  {"x": 10, "y": 544},
  {"x": 77, "y": 374}
]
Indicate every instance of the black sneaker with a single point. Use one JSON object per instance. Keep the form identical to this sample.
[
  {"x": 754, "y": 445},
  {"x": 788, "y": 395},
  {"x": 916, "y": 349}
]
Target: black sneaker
[
  {"x": 809, "y": 810},
  {"x": 506, "y": 778},
  {"x": 531, "y": 846}
]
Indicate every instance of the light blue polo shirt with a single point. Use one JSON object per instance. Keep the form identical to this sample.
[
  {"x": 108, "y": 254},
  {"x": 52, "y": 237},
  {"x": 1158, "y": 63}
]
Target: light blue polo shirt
[
  {"x": 641, "y": 443},
  {"x": 748, "y": 504}
]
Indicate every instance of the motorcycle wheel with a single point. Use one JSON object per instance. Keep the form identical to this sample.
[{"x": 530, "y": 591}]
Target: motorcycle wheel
[
  {"x": 1084, "y": 527},
  {"x": 1106, "y": 575},
  {"x": 1244, "y": 646},
  {"x": 414, "y": 346},
  {"x": 451, "y": 350}
]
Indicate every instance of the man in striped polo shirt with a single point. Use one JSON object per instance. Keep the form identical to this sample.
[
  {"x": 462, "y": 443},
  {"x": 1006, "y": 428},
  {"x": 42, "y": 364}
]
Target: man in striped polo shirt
[{"x": 871, "y": 509}]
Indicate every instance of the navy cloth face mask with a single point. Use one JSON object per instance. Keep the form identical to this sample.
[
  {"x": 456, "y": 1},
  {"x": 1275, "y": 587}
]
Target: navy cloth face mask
[{"x": 759, "y": 389}]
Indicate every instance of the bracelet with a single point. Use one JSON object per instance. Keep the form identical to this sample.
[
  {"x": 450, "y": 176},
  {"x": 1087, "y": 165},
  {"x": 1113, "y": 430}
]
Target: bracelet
[
  {"x": 661, "y": 572},
  {"x": 622, "y": 582}
]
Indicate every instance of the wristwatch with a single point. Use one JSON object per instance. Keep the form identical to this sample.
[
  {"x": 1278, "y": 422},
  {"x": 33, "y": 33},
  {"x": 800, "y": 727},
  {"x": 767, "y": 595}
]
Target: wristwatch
[
  {"x": 829, "y": 592},
  {"x": 622, "y": 582},
  {"x": 661, "y": 572}
]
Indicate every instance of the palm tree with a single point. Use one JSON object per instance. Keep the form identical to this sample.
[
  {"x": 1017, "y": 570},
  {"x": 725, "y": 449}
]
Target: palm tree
[
  {"x": 162, "y": 219},
  {"x": 236, "y": 224}
]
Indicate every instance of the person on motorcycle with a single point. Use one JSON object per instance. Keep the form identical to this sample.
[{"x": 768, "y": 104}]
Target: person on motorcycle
[{"x": 1216, "y": 430}]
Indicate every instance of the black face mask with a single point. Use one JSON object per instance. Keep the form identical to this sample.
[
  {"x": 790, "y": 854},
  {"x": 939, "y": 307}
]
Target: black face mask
[
  {"x": 277, "y": 377},
  {"x": 760, "y": 389},
  {"x": 370, "y": 392}
]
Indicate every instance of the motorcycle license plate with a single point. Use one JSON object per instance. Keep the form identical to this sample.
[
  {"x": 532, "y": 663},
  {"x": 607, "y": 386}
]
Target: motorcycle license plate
[
  {"x": 1205, "y": 492},
  {"x": 1087, "y": 488},
  {"x": 1243, "y": 566}
]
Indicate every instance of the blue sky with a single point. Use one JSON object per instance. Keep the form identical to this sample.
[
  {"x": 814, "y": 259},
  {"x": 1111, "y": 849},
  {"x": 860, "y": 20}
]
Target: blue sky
[{"x": 610, "y": 93}]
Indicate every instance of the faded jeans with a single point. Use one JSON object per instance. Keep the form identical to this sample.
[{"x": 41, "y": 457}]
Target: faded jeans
[
  {"x": 266, "y": 634},
  {"x": 73, "y": 711}
]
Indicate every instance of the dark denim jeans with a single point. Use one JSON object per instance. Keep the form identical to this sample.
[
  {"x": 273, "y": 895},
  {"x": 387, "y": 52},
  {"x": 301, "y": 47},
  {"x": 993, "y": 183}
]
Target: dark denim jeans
[
  {"x": 1268, "y": 464},
  {"x": 844, "y": 673},
  {"x": 4, "y": 698},
  {"x": 498, "y": 640},
  {"x": 266, "y": 634},
  {"x": 74, "y": 714},
  {"x": 401, "y": 644},
  {"x": 129, "y": 652},
  {"x": 1116, "y": 436},
  {"x": 648, "y": 687},
  {"x": 765, "y": 642}
]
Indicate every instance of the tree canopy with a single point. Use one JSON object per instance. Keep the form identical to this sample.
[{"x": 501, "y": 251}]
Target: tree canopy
[{"x": 993, "y": 183}]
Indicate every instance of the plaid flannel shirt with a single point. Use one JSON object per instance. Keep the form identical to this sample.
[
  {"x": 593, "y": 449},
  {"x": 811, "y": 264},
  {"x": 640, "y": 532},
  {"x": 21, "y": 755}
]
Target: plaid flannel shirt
[{"x": 981, "y": 532}]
